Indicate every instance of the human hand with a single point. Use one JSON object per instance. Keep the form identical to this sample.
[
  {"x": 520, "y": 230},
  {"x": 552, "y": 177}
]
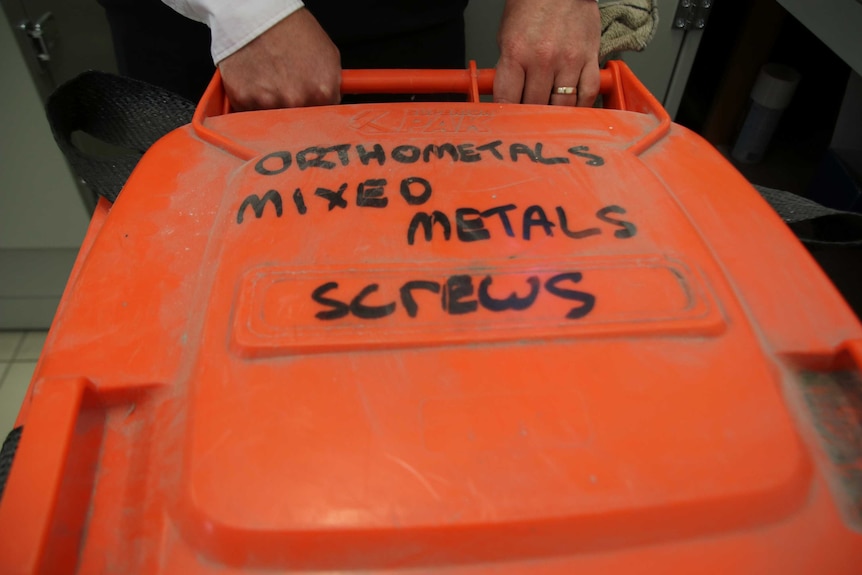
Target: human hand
[
  {"x": 546, "y": 44},
  {"x": 292, "y": 64}
]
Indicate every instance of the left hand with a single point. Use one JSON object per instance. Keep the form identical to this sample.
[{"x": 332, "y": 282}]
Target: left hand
[{"x": 545, "y": 44}]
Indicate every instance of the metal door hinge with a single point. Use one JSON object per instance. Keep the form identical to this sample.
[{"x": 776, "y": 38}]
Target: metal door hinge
[
  {"x": 40, "y": 38},
  {"x": 692, "y": 14}
]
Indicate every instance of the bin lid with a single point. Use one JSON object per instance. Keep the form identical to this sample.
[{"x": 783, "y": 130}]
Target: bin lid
[
  {"x": 435, "y": 335},
  {"x": 461, "y": 322}
]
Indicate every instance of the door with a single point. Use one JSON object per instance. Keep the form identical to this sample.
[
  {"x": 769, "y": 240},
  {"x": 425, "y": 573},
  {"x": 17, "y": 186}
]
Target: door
[
  {"x": 43, "y": 213},
  {"x": 665, "y": 65},
  {"x": 60, "y": 39}
]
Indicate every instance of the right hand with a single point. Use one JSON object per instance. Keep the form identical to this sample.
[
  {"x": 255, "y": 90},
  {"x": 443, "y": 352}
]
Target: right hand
[
  {"x": 292, "y": 64},
  {"x": 548, "y": 43}
]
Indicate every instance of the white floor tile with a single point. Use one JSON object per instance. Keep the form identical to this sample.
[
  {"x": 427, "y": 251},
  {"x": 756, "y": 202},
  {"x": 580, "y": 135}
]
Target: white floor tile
[
  {"x": 31, "y": 347},
  {"x": 12, "y": 392},
  {"x": 9, "y": 341}
]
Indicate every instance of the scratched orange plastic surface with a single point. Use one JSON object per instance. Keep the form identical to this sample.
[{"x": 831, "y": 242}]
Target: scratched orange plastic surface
[{"x": 447, "y": 337}]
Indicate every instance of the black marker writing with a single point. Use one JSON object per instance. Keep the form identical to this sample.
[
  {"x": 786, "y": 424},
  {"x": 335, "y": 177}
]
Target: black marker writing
[
  {"x": 471, "y": 225},
  {"x": 331, "y": 157},
  {"x": 583, "y": 152},
  {"x": 335, "y": 198},
  {"x": 258, "y": 204},
  {"x": 406, "y": 292},
  {"x": 457, "y": 295},
  {"x": 370, "y": 194},
  {"x": 512, "y": 301},
  {"x": 427, "y": 222},
  {"x": 629, "y": 230},
  {"x": 273, "y": 164},
  {"x": 587, "y": 300}
]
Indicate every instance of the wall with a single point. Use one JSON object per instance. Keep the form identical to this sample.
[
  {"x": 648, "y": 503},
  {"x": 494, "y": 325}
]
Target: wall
[{"x": 42, "y": 217}]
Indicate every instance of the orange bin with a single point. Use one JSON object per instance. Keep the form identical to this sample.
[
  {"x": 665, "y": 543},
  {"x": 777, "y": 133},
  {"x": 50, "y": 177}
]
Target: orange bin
[{"x": 449, "y": 337}]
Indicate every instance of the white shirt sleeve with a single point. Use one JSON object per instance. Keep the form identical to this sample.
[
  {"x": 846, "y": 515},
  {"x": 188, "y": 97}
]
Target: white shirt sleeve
[{"x": 235, "y": 23}]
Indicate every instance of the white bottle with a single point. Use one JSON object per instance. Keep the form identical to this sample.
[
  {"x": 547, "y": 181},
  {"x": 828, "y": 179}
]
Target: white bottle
[{"x": 770, "y": 96}]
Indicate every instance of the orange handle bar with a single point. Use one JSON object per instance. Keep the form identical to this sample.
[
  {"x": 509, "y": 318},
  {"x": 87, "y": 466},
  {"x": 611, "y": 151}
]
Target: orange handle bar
[
  {"x": 620, "y": 88},
  {"x": 428, "y": 81}
]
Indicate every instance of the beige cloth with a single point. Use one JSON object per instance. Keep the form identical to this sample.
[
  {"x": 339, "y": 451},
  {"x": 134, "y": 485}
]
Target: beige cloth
[{"x": 627, "y": 25}]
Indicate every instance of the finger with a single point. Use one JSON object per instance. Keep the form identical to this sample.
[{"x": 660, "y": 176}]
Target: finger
[
  {"x": 244, "y": 100},
  {"x": 508, "y": 82},
  {"x": 266, "y": 100},
  {"x": 336, "y": 97},
  {"x": 334, "y": 91},
  {"x": 537, "y": 88},
  {"x": 324, "y": 91},
  {"x": 565, "y": 80},
  {"x": 589, "y": 84},
  {"x": 323, "y": 94}
]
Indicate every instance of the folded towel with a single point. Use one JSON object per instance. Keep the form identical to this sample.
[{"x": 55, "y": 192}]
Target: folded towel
[{"x": 627, "y": 25}]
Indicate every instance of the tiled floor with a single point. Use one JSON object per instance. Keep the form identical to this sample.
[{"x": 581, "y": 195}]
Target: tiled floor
[{"x": 19, "y": 351}]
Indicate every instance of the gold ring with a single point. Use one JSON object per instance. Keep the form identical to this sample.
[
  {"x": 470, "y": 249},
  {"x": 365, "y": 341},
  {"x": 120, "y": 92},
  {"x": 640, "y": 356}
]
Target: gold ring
[{"x": 564, "y": 90}]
